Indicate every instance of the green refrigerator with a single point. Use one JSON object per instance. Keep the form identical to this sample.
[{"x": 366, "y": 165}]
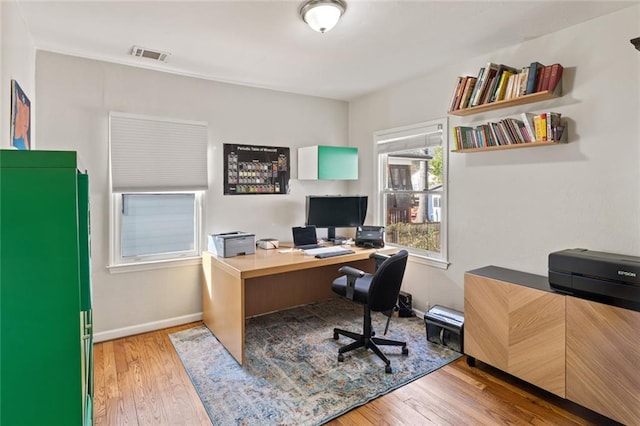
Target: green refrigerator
[{"x": 46, "y": 338}]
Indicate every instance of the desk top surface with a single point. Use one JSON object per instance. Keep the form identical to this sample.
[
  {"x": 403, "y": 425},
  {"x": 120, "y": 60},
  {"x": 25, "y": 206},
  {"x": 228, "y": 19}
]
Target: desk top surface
[{"x": 268, "y": 262}]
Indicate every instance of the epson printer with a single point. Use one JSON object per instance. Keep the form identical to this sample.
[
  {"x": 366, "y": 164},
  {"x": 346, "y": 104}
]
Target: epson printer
[{"x": 609, "y": 278}]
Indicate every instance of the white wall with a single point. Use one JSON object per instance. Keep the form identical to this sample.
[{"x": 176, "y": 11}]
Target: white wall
[
  {"x": 17, "y": 62},
  {"x": 512, "y": 208},
  {"x": 507, "y": 208},
  {"x": 74, "y": 99}
]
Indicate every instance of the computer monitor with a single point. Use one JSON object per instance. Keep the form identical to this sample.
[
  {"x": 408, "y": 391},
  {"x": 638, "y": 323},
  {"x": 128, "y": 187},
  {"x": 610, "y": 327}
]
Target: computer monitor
[{"x": 335, "y": 211}]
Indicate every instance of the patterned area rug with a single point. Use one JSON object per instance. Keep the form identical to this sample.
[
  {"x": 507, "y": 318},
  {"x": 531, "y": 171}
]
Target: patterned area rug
[{"x": 292, "y": 375}]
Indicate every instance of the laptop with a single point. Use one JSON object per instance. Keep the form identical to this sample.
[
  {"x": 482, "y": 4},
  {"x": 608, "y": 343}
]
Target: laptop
[{"x": 304, "y": 237}]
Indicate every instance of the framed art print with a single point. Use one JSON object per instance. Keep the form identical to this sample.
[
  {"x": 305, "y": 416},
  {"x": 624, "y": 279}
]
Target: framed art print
[
  {"x": 252, "y": 169},
  {"x": 20, "y": 118}
]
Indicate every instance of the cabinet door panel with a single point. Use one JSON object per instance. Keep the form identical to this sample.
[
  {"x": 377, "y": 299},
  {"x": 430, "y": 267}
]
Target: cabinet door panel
[
  {"x": 537, "y": 338},
  {"x": 486, "y": 328},
  {"x": 603, "y": 355},
  {"x": 517, "y": 329}
]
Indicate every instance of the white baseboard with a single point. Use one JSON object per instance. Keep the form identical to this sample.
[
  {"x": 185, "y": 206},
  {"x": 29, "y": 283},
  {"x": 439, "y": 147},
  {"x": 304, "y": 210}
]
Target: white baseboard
[{"x": 144, "y": 328}]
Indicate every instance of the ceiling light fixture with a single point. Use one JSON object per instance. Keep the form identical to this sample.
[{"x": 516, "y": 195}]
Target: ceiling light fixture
[{"x": 322, "y": 15}]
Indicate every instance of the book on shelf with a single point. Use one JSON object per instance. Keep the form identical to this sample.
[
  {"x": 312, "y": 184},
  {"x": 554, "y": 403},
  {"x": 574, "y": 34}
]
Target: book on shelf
[
  {"x": 523, "y": 77},
  {"x": 462, "y": 137},
  {"x": 498, "y": 95},
  {"x": 497, "y": 133},
  {"x": 455, "y": 100},
  {"x": 494, "y": 134},
  {"x": 541, "y": 132},
  {"x": 527, "y": 119},
  {"x": 535, "y": 69},
  {"x": 474, "y": 94},
  {"x": 497, "y": 83},
  {"x": 555, "y": 76},
  {"x": 454, "y": 96},
  {"x": 509, "y": 92},
  {"x": 553, "y": 124},
  {"x": 466, "y": 93},
  {"x": 462, "y": 92},
  {"x": 487, "y": 78},
  {"x": 546, "y": 75}
]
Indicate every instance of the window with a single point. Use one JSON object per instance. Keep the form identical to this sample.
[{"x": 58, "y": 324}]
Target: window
[
  {"x": 412, "y": 188},
  {"x": 159, "y": 224},
  {"x": 158, "y": 174}
]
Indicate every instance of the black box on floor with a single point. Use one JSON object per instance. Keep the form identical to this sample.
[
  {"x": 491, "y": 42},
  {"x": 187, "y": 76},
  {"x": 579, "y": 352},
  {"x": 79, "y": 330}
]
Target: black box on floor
[
  {"x": 405, "y": 310},
  {"x": 445, "y": 326}
]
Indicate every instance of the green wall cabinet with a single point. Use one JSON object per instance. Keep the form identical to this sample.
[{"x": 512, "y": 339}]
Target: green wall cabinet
[
  {"x": 327, "y": 162},
  {"x": 46, "y": 343}
]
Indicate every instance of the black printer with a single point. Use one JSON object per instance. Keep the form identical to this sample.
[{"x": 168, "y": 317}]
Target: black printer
[{"x": 604, "y": 277}]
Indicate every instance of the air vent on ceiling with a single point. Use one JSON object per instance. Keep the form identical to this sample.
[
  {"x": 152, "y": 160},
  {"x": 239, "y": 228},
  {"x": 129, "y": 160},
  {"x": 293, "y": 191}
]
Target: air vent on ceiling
[{"x": 142, "y": 52}]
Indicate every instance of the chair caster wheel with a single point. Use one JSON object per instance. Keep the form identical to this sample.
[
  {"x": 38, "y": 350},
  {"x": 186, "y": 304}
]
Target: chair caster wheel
[
  {"x": 340, "y": 357},
  {"x": 388, "y": 369},
  {"x": 405, "y": 351},
  {"x": 335, "y": 336}
]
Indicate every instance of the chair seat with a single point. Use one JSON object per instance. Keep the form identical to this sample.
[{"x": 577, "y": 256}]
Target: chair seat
[{"x": 361, "y": 289}]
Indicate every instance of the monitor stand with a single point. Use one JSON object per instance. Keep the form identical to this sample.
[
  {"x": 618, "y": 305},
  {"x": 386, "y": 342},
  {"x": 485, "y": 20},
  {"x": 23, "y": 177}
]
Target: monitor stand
[{"x": 331, "y": 236}]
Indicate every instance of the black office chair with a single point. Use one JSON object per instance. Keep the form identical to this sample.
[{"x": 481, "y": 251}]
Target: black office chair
[{"x": 378, "y": 292}]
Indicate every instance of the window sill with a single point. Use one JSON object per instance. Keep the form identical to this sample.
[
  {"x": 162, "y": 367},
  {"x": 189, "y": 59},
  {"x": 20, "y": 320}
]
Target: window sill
[
  {"x": 153, "y": 265},
  {"x": 428, "y": 261},
  {"x": 422, "y": 259}
]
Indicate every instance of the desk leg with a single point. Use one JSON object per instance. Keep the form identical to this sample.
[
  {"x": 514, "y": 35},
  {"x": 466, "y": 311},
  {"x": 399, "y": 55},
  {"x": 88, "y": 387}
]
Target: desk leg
[{"x": 223, "y": 308}]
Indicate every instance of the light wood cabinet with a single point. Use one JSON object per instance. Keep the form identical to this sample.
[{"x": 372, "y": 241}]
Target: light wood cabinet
[
  {"x": 603, "y": 356},
  {"x": 581, "y": 350},
  {"x": 517, "y": 328}
]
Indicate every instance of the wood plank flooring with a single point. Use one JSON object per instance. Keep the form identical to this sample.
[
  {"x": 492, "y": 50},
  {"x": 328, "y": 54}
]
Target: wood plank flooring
[{"x": 139, "y": 380}]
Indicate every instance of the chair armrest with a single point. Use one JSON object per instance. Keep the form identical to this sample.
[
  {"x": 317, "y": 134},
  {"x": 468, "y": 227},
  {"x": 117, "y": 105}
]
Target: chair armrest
[
  {"x": 352, "y": 275},
  {"x": 350, "y": 271},
  {"x": 379, "y": 258}
]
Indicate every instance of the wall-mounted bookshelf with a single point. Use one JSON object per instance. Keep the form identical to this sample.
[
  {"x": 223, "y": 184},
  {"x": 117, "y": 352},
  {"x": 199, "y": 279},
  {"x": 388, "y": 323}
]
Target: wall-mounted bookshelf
[
  {"x": 502, "y": 86},
  {"x": 521, "y": 100},
  {"x": 514, "y": 146}
]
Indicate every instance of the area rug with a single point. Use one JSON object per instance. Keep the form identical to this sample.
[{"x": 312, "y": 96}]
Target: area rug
[{"x": 291, "y": 374}]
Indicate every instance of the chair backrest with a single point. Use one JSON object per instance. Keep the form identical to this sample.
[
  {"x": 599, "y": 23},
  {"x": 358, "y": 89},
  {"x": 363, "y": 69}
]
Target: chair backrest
[{"x": 386, "y": 282}]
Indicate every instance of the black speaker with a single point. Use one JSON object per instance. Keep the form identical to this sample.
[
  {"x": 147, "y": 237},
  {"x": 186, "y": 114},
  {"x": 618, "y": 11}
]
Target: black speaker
[{"x": 404, "y": 304}]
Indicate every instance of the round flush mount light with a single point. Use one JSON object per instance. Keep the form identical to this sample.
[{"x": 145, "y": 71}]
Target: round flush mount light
[{"x": 322, "y": 15}]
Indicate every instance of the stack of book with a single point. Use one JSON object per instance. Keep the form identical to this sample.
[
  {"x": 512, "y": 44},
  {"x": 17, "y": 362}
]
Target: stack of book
[
  {"x": 502, "y": 82},
  {"x": 528, "y": 128}
]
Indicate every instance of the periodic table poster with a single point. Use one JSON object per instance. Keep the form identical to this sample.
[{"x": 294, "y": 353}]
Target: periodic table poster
[{"x": 253, "y": 169}]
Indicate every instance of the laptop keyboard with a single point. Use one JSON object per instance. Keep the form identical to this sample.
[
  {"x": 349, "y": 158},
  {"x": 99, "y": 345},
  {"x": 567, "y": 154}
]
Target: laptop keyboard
[{"x": 309, "y": 246}]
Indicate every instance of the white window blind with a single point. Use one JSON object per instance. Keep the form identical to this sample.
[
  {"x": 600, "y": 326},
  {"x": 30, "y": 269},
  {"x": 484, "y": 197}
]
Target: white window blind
[
  {"x": 408, "y": 139},
  {"x": 157, "y": 154},
  {"x": 158, "y": 223}
]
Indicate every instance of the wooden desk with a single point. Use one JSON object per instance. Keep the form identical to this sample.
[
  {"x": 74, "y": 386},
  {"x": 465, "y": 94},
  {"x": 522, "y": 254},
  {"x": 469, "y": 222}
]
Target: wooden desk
[{"x": 238, "y": 287}]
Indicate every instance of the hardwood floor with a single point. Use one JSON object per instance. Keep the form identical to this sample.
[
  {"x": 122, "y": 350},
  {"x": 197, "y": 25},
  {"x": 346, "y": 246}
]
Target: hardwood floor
[{"x": 139, "y": 380}]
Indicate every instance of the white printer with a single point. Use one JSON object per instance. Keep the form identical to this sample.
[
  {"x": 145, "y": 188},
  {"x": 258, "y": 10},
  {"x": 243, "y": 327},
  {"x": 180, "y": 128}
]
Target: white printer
[{"x": 229, "y": 244}]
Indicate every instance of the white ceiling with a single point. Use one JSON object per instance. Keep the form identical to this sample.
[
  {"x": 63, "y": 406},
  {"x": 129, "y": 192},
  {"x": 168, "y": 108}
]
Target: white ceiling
[{"x": 266, "y": 44}]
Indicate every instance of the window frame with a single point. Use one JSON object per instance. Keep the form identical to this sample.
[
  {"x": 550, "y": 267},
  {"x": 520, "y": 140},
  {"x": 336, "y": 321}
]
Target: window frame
[
  {"x": 144, "y": 158},
  {"x": 117, "y": 263},
  {"x": 400, "y": 136}
]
